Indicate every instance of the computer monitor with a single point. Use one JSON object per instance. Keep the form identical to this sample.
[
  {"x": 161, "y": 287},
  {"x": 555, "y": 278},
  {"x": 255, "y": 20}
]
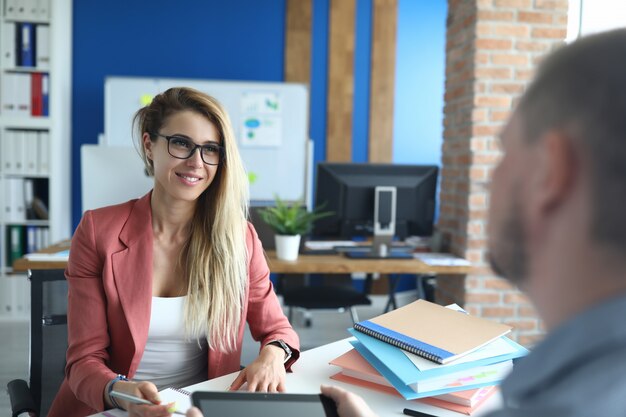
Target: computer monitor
[{"x": 349, "y": 190}]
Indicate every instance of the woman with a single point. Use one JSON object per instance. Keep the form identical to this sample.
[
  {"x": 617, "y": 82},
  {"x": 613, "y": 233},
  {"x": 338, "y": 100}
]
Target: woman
[{"x": 160, "y": 288}]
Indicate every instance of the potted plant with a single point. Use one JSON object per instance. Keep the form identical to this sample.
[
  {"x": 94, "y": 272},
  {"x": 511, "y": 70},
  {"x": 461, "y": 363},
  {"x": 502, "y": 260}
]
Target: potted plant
[{"x": 290, "y": 221}]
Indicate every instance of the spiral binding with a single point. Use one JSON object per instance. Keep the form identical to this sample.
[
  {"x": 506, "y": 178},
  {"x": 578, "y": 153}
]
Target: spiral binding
[
  {"x": 182, "y": 391},
  {"x": 398, "y": 343}
]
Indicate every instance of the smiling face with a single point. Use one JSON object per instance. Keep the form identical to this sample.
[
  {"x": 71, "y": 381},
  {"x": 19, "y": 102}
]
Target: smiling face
[{"x": 182, "y": 179}]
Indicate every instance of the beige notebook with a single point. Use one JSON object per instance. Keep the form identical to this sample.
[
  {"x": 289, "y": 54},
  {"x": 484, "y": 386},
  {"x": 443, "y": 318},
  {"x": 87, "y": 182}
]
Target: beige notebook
[{"x": 432, "y": 331}]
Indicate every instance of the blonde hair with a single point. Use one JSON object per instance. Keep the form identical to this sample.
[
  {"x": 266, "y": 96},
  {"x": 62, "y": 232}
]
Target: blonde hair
[{"x": 214, "y": 260}]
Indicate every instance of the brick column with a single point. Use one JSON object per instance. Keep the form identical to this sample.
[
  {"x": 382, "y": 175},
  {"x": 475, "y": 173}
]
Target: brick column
[{"x": 492, "y": 49}]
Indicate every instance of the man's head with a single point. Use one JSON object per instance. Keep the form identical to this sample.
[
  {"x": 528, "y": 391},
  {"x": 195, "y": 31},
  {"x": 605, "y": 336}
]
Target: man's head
[{"x": 567, "y": 136}]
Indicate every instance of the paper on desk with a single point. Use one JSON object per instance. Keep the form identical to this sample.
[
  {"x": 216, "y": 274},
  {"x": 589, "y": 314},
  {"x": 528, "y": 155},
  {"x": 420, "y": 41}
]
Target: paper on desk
[
  {"x": 496, "y": 348},
  {"x": 327, "y": 244},
  {"x": 168, "y": 395},
  {"x": 440, "y": 259},
  {"x": 63, "y": 255}
]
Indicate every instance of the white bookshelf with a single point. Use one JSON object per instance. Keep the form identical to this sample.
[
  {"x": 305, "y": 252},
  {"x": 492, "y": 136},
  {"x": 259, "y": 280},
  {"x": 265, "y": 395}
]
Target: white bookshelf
[{"x": 56, "y": 128}]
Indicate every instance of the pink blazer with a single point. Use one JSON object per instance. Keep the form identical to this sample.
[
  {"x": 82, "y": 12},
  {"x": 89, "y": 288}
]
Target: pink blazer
[{"x": 109, "y": 275}]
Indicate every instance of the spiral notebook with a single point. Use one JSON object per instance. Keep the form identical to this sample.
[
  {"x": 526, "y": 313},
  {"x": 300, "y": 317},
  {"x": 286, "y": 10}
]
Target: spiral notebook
[{"x": 432, "y": 331}]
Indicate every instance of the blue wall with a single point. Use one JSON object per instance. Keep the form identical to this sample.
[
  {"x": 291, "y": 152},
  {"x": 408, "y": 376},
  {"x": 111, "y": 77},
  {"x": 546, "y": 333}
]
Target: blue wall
[
  {"x": 244, "y": 40},
  {"x": 237, "y": 40},
  {"x": 420, "y": 77}
]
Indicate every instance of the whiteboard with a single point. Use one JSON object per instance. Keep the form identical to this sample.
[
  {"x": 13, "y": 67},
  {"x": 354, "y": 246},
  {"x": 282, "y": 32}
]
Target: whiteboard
[
  {"x": 111, "y": 175},
  {"x": 270, "y": 121}
]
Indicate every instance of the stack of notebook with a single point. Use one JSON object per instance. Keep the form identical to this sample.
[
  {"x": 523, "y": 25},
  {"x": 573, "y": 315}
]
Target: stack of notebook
[{"x": 426, "y": 351}]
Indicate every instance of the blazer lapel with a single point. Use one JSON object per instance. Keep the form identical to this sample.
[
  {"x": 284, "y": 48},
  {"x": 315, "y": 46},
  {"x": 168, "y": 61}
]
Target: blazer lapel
[{"x": 132, "y": 272}]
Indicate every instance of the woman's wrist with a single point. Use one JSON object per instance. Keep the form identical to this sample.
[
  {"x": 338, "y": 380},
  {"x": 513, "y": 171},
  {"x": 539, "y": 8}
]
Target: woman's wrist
[
  {"x": 276, "y": 352},
  {"x": 110, "y": 401}
]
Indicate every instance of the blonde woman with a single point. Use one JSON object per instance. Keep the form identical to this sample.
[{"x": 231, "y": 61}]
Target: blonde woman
[{"x": 160, "y": 288}]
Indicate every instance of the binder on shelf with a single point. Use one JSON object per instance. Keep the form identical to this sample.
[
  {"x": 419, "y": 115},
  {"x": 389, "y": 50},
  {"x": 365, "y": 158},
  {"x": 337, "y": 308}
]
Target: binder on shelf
[
  {"x": 43, "y": 164},
  {"x": 30, "y": 152},
  {"x": 22, "y": 95},
  {"x": 31, "y": 9},
  {"x": 31, "y": 239},
  {"x": 36, "y": 94},
  {"x": 26, "y": 45},
  {"x": 43, "y": 10},
  {"x": 29, "y": 196},
  {"x": 8, "y": 45},
  {"x": 10, "y": 9},
  {"x": 432, "y": 331},
  {"x": 6, "y": 202},
  {"x": 42, "y": 36},
  {"x": 16, "y": 200},
  {"x": 16, "y": 244},
  {"x": 8, "y": 141},
  {"x": 19, "y": 151},
  {"x": 8, "y": 93},
  {"x": 45, "y": 95}
]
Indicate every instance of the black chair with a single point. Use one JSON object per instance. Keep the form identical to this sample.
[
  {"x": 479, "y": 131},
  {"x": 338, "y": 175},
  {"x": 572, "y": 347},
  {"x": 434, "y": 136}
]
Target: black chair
[
  {"x": 331, "y": 292},
  {"x": 48, "y": 344}
]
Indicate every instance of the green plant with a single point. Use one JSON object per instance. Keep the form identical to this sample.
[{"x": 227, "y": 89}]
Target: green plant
[{"x": 291, "y": 219}]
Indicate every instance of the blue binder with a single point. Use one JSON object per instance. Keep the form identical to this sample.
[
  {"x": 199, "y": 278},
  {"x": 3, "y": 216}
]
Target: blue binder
[{"x": 26, "y": 44}]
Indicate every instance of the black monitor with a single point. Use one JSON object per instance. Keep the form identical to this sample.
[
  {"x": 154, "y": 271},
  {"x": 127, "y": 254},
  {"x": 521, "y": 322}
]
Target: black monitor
[{"x": 348, "y": 189}]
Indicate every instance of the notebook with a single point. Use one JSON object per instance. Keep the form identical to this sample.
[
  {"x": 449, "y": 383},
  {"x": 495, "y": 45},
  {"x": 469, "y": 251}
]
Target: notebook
[
  {"x": 432, "y": 331},
  {"x": 353, "y": 365}
]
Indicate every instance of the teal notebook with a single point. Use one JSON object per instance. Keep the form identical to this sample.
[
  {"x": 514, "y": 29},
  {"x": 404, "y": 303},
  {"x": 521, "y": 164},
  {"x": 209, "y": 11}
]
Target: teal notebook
[{"x": 395, "y": 362}]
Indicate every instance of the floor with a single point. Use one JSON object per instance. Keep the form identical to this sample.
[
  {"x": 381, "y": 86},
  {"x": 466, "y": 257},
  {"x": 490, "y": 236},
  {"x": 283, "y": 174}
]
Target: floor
[{"x": 327, "y": 326}]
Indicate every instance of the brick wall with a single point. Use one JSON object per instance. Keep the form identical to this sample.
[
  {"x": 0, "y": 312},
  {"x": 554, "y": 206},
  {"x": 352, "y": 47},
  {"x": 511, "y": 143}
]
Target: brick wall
[{"x": 492, "y": 49}]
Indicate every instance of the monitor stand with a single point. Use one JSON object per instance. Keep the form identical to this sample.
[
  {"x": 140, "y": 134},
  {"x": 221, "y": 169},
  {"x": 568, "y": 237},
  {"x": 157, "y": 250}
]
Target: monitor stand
[{"x": 384, "y": 228}]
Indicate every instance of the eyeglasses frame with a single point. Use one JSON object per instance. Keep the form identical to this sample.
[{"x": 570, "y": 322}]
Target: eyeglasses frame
[{"x": 193, "y": 150}]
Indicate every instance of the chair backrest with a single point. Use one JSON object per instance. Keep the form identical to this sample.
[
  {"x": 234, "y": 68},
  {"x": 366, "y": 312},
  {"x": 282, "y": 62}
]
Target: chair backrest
[{"x": 48, "y": 335}]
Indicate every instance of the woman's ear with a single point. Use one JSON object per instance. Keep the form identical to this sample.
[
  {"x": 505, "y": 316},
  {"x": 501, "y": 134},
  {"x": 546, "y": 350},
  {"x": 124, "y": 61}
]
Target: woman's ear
[{"x": 147, "y": 144}]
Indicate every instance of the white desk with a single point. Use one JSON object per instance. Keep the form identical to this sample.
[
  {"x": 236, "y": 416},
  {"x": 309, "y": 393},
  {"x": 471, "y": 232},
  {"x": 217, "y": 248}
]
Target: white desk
[{"x": 312, "y": 370}]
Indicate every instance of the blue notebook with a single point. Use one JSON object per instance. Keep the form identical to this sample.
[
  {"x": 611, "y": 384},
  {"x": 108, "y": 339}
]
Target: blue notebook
[
  {"x": 404, "y": 390},
  {"x": 432, "y": 331},
  {"x": 396, "y": 363}
]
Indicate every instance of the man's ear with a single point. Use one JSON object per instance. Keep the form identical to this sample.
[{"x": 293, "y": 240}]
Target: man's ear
[{"x": 556, "y": 171}]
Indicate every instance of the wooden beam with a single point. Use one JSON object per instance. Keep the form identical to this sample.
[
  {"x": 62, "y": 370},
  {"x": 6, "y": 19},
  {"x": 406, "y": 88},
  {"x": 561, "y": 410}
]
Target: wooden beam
[
  {"x": 340, "y": 81},
  {"x": 298, "y": 41},
  {"x": 382, "y": 81}
]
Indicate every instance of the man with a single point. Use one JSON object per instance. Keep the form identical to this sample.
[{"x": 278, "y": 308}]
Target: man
[{"x": 557, "y": 230}]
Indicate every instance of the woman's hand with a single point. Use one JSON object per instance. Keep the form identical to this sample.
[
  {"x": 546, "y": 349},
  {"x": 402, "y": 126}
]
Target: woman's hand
[
  {"x": 265, "y": 374},
  {"x": 146, "y": 390}
]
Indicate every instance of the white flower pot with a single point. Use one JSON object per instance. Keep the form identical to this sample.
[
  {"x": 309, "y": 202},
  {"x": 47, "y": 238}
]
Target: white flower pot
[{"x": 287, "y": 247}]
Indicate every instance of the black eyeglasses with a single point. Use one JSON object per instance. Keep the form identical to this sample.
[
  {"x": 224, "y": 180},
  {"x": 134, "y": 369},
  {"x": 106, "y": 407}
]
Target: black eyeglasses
[{"x": 181, "y": 147}]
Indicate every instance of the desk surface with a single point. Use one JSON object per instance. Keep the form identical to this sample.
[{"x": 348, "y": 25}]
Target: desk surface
[
  {"x": 339, "y": 264},
  {"x": 312, "y": 370},
  {"x": 305, "y": 264}
]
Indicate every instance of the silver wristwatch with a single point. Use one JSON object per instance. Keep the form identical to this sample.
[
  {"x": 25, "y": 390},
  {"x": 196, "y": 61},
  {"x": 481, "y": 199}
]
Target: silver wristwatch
[{"x": 281, "y": 344}]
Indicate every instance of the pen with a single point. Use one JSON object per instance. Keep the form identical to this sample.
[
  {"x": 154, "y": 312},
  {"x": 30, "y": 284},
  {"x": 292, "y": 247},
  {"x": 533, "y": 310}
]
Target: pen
[
  {"x": 136, "y": 400},
  {"x": 415, "y": 413}
]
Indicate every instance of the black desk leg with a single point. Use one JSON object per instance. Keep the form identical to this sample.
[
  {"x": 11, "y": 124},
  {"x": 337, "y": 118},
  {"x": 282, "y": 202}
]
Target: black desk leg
[{"x": 393, "y": 281}]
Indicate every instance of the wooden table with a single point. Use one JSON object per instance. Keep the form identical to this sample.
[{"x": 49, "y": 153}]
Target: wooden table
[
  {"x": 339, "y": 264},
  {"x": 305, "y": 264},
  {"x": 23, "y": 264}
]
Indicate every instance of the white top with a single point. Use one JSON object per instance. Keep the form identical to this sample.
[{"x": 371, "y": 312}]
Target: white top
[{"x": 170, "y": 359}]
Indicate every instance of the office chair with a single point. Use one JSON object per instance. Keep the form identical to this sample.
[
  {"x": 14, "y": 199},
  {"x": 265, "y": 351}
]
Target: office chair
[
  {"x": 334, "y": 292},
  {"x": 48, "y": 344}
]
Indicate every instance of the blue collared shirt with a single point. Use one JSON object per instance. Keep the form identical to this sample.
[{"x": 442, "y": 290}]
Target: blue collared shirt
[{"x": 578, "y": 370}]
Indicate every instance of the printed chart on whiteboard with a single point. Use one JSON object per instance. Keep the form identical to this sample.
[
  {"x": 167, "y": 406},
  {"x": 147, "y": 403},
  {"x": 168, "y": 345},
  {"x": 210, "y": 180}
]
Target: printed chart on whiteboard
[{"x": 262, "y": 119}]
